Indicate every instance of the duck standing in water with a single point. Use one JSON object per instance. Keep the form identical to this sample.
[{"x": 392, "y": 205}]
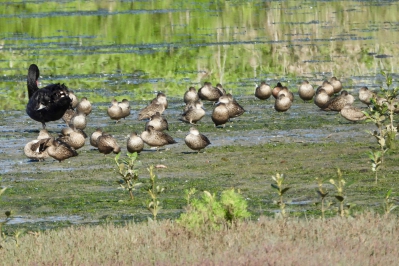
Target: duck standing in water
[
  {"x": 195, "y": 140},
  {"x": 48, "y": 103}
]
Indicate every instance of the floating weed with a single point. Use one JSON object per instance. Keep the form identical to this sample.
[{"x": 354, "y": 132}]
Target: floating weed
[{"x": 280, "y": 191}]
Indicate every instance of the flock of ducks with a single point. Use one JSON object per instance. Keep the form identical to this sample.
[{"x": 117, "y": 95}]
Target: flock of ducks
[{"x": 55, "y": 101}]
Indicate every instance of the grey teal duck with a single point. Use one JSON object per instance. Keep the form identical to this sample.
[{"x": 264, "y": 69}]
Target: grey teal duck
[
  {"x": 59, "y": 150},
  {"x": 156, "y": 138},
  {"x": 282, "y": 103},
  {"x": 336, "y": 83},
  {"x": 158, "y": 122},
  {"x": 84, "y": 106},
  {"x": 78, "y": 121},
  {"x": 321, "y": 99},
  {"x": 263, "y": 91},
  {"x": 159, "y": 104},
  {"x": 209, "y": 93},
  {"x": 134, "y": 143},
  {"x": 94, "y": 136},
  {"x": 276, "y": 90},
  {"x": 114, "y": 111},
  {"x": 125, "y": 106},
  {"x": 365, "y": 95},
  {"x": 306, "y": 91},
  {"x": 337, "y": 103},
  {"x": 191, "y": 95},
  {"x": 107, "y": 144},
  {"x": 195, "y": 140},
  {"x": 35, "y": 149},
  {"x": 220, "y": 114},
  {"x": 351, "y": 113},
  {"x": 194, "y": 114},
  {"x": 75, "y": 138},
  {"x": 328, "y": 88}
]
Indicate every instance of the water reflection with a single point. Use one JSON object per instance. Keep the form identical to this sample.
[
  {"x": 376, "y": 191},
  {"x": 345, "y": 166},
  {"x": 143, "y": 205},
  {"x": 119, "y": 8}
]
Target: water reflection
[{"x": 101, "y": 46}]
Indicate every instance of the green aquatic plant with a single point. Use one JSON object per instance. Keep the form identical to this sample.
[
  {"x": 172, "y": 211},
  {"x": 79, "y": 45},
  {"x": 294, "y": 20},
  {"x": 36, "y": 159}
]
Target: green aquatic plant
[
  {"x": 280, "y": 191},
  {"x": 154, "y": 205},
  {"x": 127, "y": 170}
]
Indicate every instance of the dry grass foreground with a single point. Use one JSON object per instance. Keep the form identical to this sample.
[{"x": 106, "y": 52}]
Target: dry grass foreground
[{"x": 366, "y": 239}]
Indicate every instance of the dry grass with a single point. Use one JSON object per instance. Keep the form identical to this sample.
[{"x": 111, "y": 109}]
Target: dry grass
[{"x": 366, "y": 239}]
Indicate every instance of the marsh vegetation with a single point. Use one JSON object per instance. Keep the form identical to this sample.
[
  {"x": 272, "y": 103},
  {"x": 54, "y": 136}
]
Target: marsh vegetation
[{"x": 314, "y": 210}]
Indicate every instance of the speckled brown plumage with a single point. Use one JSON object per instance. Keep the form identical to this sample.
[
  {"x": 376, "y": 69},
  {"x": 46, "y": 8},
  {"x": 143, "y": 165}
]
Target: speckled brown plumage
[
  {"x": 134, "y": 143},
  {"x": 107, "y": 144},
  {"x": 195, "y": 140},
  {"x": 263, "y": 91},
  {"x": 156, "y": 138}
]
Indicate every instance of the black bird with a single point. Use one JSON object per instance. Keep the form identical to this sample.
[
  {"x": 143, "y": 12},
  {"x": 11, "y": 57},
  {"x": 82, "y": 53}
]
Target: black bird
[{"x": 46, "y": 104}]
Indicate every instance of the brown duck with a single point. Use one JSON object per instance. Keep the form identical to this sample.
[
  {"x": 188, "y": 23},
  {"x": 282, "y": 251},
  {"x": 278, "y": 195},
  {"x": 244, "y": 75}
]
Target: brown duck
[
  {"x": 159, "y": 104},
  {"x": 75, "y": 138},
  {"x": 190, "y": 95},
  {"x": 156, "y": 138},
  {"x": 125, "y": 106},
  {"x": 263, "y": 91},
  {"x": 220, "y": 114},
  {"x": 336, "y": 83},
  {"x": 282, "y": 103},
  {"x": 337, "y": 103},
  {"x": 306, "y": 91},
  {"x": 365, "y": 95},
  {"x": 115, "y": 111},
  {"x": 194, "y": 114},
  {"x": 58, "y": 150},
  {"x": 158, "y": 122},
  {"x": 321, "y": 99},
  {"x": 195, "y": 140},
  {"x": 35, "y": 149},
  {"x": 84, "y": 106},
  {"x": 352, "y": 113},
  {"x": 94, "y": 136},
  {"x": 134, "y": 143},
  {"x": 209, "y": 93},
  {"x": 107, "y": 144}
]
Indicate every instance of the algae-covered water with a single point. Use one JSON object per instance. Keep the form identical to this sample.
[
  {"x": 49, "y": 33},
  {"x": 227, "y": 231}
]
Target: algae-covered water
[{"x": 129, "y": 49}]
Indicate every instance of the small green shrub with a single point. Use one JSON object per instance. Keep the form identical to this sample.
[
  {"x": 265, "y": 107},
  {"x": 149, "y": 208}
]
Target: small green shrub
[
  {"x": 127, "y": 170},
  {"x": 280, "y": 191},
  {"x": 153, "y": 205},
  {"x": 210, "y": 214}
]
